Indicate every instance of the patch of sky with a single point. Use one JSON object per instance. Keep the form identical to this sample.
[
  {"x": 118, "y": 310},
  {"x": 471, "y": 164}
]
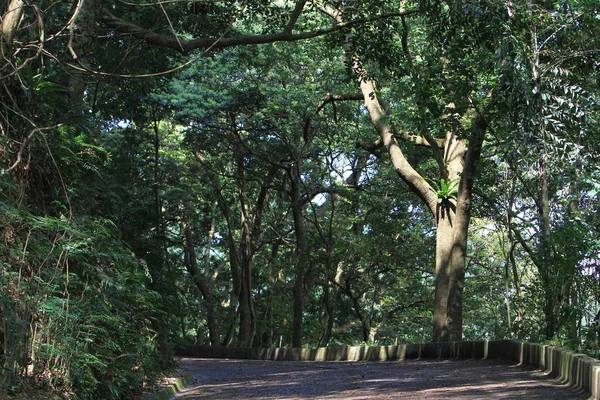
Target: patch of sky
[{"x": 118, "y": 124}]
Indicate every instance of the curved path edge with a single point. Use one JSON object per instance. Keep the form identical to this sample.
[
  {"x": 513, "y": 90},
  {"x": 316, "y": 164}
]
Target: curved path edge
[{"x": 570, "y": 368}]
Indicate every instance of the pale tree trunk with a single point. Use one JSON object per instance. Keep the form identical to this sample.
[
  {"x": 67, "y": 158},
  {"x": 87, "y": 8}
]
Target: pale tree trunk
[
  {"x": 452, "y": 218},
  {"x": 456, "y": 161},
  {"x": 450, "y": 253},
  {"x": 10, "y": 23}
]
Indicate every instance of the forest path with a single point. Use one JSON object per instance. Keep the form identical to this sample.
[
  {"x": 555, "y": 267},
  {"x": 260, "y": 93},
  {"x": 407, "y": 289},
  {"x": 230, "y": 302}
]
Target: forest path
[{"x": 410, "y": 379}]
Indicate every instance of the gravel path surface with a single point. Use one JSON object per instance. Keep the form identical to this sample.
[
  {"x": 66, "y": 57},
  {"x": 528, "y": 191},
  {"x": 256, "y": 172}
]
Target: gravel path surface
[{"x": 413, "y": 379}]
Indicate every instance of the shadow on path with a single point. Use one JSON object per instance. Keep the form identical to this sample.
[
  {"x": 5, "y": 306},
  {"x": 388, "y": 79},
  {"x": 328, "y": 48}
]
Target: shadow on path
[{"x": 414, "y": 379}]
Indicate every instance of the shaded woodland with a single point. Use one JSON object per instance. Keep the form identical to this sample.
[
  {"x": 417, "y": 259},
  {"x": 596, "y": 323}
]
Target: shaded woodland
[{"x": 291, "y": 173}]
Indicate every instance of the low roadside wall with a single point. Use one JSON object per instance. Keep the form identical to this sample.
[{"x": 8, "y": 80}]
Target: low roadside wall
[{"x": 573, "y": 369}]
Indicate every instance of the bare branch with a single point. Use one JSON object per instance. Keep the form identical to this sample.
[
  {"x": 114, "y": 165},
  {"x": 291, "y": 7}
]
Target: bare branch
[
  {"x": 82, "y": 67},
  {"x": 20, "y": 152},
  {"x": 171, "y": 25},
  {"x": 71, "y": 26}
]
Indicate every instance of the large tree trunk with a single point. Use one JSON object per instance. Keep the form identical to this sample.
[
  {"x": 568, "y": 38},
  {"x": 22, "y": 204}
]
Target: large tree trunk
[
  {"x": 455, "y": 160},
  {"x": 452, "y": 217},
  {"x": 449, "y": 277},
  {"x": 452, "y": 220}
]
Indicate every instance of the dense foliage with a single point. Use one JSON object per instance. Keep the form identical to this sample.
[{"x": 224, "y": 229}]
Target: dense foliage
[{"x": 210, "y": 172}]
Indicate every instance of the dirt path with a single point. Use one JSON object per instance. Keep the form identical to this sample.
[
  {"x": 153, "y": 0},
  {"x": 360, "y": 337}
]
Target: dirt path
[{"x": 414, "y": 379}]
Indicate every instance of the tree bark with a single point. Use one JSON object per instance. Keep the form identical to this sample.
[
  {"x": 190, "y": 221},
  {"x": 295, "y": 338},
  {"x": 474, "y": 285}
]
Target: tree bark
[
  {"x": 511, "y": 253},
  {"x": 452, "y": 218},
  {"x": 246, "y": 309},
  {"x": 191, "y": 263},
  {"x": 299, "y": 256},
  {"x": 456, "y": 161},
  {"x": 544, "y": 221},
  {"x": 242, "y": 253},
  {"x": 10, "y": 22},
  {"x": 544, "y": 199}
]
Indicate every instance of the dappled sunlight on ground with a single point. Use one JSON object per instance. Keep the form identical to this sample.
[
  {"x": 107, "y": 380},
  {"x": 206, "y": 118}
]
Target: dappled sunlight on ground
[{"x": 414, "y": 379}]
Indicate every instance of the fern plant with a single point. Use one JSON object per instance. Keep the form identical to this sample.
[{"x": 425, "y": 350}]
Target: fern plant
[{"x": 444, "y": 190}]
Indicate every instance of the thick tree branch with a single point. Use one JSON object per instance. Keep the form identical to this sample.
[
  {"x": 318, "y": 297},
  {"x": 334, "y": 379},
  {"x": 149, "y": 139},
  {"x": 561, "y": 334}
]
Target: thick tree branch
[
  {"x": 295, "y": 15},
  {"x": 20, "y": 152},
  {"x": 185, "y": 46},
  {"x": 528, "y": 249},
  {"x": 378, "y": 111},
  {"x": 371, "y": 147},
  {"x": 404, "y": 169},
  {"x": 23, "y": 145},
  {"x": 331, "y": 98},
  {"x": 260, "y": 207}
]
